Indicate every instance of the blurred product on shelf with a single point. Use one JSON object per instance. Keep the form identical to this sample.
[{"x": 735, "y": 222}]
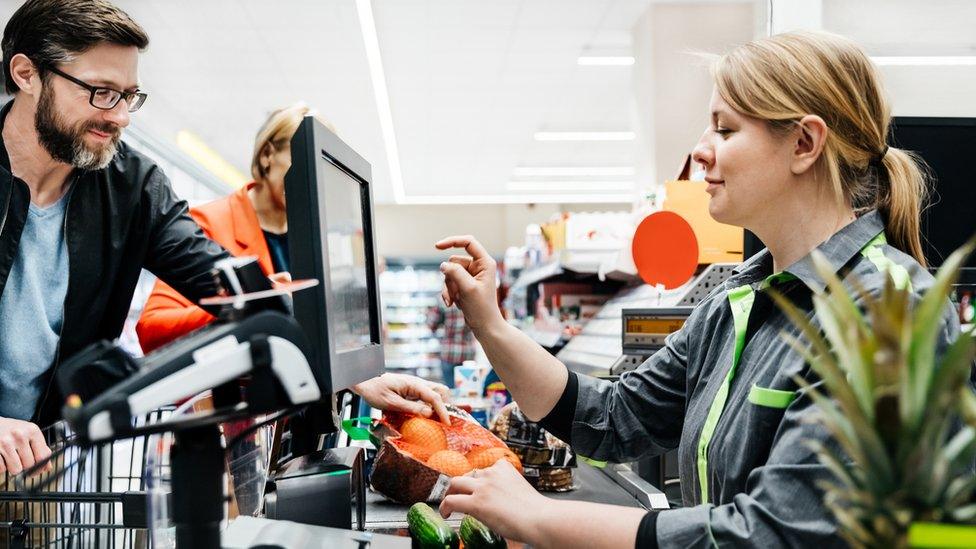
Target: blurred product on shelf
[
  {"x": 408, "y": 293},
  {"x": 964, "y": 300},
  {"x": 498, "y": 397},
  {"x": 469, "y": 379},
  {"x": 686, "y": 196}
]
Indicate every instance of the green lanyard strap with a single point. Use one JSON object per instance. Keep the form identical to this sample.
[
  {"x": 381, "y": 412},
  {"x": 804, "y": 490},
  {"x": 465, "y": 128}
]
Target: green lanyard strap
[{"x": 741, "y": 300}]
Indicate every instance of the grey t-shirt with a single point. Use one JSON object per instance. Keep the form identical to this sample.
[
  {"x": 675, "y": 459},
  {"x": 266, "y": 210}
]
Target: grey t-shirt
[{"x": 32, "y": 309}]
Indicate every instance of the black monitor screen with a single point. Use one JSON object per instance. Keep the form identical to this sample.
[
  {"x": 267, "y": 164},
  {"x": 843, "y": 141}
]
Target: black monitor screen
[
  {"x": 946, "y": 145},
  {"x": 330, "y": 239},
  {"x": 347, "y": 259}
]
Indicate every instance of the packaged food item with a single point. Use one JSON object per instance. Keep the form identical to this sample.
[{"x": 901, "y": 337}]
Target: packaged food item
[
  {"x": 469, "y": 379},
  {"x": 547, "y": 461},
  {"x": 476, "y": 406},
  {"x": 418, "y": 456},
  {"x": 498, "y": 397}
]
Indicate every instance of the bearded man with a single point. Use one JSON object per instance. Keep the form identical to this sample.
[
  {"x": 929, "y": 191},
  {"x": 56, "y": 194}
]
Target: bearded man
[
  {"x": 81, "y": 215},
  {"x": 80, "y": 212}
]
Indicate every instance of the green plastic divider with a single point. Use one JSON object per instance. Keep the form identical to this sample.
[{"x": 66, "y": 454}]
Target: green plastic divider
[{"x": 355, "y": 432}]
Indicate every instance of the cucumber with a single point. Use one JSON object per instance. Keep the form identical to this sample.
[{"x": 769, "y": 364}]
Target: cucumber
[
  {"x": 476, "y": 535},
  {"x": 428, "y": 529}
]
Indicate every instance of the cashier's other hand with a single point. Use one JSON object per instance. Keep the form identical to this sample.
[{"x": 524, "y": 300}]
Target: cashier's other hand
[
  {"x": 469, "y": 282},
  {"x": 499, "y": 497},
  {"x": 21, "y": 445},
  {"x": 408, "y": 394}
]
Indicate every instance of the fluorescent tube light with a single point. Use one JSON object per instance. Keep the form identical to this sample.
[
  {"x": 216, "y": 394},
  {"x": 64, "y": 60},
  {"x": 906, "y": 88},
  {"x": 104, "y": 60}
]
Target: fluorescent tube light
[
  {"x": 210, "y": 159},
  {"x": 367, "y": 26}
]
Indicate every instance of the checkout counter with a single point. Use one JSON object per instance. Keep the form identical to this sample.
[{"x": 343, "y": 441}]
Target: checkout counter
[{"x": 289, "y": 349}]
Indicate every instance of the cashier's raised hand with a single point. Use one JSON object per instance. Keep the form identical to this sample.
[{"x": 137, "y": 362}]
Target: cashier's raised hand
[
  {"x": 469, "y": 282},
  {"x": 21, "y": 445},
  {"x": 403, "y": 393},
  {"x": 500, "y": 498}
]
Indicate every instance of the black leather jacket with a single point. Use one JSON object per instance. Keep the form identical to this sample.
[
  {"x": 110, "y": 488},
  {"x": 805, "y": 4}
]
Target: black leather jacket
[{"x": 119, "y": 220}]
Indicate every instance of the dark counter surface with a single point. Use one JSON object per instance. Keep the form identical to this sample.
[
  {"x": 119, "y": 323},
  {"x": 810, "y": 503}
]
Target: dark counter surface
[{"x": 592, "y": 485}]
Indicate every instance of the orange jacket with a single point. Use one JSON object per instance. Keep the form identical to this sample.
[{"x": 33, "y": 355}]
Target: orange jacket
[{"x": 230, "y": 221}]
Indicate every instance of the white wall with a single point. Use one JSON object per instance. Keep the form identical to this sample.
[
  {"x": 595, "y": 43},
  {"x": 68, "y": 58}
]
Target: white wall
[
  {"x": 671, "y": 82},
  {"x": 412, "y": 230},
  {"x": 903, "y": 28}
]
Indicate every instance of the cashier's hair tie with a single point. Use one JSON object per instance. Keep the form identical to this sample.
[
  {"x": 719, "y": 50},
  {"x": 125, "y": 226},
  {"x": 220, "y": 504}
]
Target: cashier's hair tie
[{"x": 878, "y": 161}]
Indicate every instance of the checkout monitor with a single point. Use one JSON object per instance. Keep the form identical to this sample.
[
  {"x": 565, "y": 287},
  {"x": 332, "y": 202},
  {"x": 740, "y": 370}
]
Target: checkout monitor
[
  {"x": 945, "y": 144},
  {"x": 330, "y": 238}
]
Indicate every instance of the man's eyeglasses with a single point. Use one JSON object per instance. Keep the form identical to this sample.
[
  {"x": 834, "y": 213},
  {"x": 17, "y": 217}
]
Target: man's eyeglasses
[{"x": 106, "y": 98}]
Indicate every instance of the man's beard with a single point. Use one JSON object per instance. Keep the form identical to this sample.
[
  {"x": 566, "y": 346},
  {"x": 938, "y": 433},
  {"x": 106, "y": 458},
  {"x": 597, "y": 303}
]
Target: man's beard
[{"x": 66, "y": 144}]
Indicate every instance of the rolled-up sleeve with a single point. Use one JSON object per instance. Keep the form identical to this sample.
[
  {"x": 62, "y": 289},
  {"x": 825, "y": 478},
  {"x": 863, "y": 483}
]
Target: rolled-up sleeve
[{"x": 640, "y": 414}]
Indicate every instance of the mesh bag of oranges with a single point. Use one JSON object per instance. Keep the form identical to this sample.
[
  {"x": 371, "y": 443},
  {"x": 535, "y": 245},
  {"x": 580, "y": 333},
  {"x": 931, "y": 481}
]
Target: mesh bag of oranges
[{"x": 418, "y": 456}]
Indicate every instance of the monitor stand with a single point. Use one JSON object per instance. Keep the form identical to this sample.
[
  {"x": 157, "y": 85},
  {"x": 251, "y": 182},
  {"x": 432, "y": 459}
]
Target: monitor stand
[{"x": 197, "y": 462}]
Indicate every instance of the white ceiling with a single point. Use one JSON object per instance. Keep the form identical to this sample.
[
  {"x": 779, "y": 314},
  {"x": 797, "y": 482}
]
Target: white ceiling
[{"x": 469, "y": 81}]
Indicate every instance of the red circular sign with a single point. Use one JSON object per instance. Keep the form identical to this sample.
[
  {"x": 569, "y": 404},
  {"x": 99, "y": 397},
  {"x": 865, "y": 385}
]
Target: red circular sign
[{"x": 665, "y": 250}]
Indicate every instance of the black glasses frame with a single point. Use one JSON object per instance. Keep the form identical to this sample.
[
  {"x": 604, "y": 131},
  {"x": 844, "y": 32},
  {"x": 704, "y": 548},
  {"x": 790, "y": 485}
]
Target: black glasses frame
[{"x": 134, "y": 100}]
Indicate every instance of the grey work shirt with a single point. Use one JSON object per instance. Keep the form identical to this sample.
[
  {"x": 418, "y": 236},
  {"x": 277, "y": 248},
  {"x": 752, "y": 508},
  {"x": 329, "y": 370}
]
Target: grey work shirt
[{"x": 762, "y": 478}]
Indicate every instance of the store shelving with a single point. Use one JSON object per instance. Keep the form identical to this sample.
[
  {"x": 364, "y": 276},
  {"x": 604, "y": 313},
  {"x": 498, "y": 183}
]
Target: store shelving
[{"x": 408, "y": 293}]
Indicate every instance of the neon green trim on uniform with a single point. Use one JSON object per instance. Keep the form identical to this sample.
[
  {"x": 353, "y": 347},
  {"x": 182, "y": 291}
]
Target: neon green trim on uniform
[
  {"x": 777, "y": 278},
  {"x": 875, "y": 254},
  {"x": 770, "y": 398},
  {"x": 741, "y": 300}
]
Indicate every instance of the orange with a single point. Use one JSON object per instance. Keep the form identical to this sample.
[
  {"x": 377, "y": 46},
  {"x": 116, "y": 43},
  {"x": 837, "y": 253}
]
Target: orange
[
  {"x": 420, "y": 453},
  {"x": 476, "y": 435},
  {"x": 424, "y": 432},
  {"x": 449, "y": 462},
  {"x": 486, "y": 457}
]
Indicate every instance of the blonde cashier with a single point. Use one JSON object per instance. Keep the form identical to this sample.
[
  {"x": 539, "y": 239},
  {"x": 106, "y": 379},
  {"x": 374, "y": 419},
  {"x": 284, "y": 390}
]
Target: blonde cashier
[{"x": 795, "y": 151}]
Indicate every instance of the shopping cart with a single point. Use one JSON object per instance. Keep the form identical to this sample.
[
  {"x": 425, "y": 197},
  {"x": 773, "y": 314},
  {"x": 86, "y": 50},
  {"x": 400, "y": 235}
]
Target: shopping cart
[{"x": 92, "y": 497}]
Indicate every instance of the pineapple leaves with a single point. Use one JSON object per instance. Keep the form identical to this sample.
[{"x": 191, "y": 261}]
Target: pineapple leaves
[{"x": 896, "y": 399}]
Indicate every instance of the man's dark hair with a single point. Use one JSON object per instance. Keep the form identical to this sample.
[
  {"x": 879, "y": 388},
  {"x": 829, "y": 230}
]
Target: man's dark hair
[{"x": 54, "y": 31}]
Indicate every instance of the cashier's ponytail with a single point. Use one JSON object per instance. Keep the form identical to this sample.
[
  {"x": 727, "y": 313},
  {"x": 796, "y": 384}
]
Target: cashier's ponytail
[{"x": 785, "y": 77}]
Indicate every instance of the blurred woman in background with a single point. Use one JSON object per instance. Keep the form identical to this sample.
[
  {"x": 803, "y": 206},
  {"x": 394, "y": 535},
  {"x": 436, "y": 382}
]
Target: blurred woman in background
[{"x": 253, "y": 221}]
